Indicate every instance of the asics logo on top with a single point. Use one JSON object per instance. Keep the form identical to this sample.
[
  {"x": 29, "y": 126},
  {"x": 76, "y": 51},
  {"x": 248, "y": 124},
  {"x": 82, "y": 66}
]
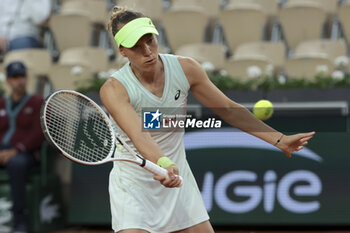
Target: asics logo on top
[{"x": 177, "y": 95}]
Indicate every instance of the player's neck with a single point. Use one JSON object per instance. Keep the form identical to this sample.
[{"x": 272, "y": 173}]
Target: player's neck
[{"x": 149, "y": 76}]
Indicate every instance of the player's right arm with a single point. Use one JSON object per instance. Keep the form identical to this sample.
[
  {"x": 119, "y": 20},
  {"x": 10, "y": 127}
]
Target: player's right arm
[{"x": 116, "y": 100}]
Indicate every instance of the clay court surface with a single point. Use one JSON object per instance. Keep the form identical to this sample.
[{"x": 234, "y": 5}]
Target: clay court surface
[
  {"x": 265, "y": 231},
  {"x": 82, "y": 230}
]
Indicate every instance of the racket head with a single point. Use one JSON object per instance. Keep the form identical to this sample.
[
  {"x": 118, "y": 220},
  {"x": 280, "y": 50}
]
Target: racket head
[{"x": 78, "y": 127}]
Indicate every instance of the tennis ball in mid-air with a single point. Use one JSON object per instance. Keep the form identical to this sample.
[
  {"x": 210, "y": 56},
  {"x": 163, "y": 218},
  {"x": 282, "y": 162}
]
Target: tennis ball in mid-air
[{"x": 263, "y": 109}]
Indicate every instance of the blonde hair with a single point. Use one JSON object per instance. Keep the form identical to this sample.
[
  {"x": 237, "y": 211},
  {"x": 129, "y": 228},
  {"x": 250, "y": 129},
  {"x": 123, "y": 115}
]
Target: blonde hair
[{"x": 120, "y": 16}]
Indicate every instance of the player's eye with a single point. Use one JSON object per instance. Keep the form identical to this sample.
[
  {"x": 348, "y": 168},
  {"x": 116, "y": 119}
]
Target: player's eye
[
  {"x": 136, "y": 46},
  {"x": 150, "y": 41}
]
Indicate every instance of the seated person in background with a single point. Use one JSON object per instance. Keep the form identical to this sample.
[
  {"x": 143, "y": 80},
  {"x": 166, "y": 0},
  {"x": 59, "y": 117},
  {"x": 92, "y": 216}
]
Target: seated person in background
[
  {"x": 20, "y": 137},
  {"x": 20, "y": 23}
]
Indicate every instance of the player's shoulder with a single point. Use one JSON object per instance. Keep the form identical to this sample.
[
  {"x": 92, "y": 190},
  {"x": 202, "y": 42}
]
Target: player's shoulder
[
  {"x": 113, "y": 87},
  {"x": 112, "y": 84},
  {"x": 192, "y": 69},
  {"x": 187, "y": 61},
  {"x": 189, "y": 65}
]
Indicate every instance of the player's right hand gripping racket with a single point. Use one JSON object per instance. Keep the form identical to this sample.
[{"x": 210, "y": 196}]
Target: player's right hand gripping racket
[{"x": 82, "y": 131}]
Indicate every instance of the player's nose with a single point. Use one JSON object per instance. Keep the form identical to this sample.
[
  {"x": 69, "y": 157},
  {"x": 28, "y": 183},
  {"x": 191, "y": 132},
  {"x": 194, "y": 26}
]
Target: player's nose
[{"x": 147, "y": 50}]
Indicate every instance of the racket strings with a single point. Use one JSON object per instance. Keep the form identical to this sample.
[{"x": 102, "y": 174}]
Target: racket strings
[{"x": 78, "y": 128}]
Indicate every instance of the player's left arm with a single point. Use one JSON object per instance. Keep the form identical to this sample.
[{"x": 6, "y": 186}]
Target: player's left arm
[{"x": 235, "y": 114}]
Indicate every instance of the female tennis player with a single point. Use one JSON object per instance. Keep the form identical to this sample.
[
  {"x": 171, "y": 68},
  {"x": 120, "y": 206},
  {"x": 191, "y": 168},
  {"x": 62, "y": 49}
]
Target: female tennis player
[{"x": 149, "y": 79}]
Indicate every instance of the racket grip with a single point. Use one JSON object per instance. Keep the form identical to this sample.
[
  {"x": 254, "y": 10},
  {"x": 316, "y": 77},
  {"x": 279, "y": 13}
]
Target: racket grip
[{"x": 157, "y": 170}]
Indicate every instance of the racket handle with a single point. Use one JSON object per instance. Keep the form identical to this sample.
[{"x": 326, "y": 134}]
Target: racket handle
[{"x": 157, "y": 170}]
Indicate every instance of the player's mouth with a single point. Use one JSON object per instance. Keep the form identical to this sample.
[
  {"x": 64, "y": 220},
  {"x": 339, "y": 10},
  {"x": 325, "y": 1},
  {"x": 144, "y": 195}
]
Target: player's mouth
[{"x": 151, "y": 61}]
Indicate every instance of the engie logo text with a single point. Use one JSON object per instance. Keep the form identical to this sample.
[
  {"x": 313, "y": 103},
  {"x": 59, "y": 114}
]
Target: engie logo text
[{"x": 294, "y": 188}]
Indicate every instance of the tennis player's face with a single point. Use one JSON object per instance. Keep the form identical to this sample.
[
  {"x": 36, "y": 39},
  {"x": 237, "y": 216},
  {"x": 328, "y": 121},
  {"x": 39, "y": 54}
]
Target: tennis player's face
[{"x": 144, "y": 54}]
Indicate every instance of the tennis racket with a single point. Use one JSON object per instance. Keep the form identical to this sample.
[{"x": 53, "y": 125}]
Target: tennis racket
[{"x": 82, "y": 131}]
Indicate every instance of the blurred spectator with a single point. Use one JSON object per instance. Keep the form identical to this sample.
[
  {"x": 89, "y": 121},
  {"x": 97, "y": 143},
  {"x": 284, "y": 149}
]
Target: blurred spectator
[
  {"x": 20, "y": 137},
  {"x": 20, "y": 23}
]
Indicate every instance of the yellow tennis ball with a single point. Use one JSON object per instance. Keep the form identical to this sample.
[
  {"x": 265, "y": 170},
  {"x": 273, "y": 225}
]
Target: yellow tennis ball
[{"x": 263, "y": 109}]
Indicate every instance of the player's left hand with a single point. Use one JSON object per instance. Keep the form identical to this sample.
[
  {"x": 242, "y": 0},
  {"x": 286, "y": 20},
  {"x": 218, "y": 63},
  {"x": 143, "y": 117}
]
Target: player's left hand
[
  {"x": 173, "y": 180},
  {"x": 295, "y": 142}
]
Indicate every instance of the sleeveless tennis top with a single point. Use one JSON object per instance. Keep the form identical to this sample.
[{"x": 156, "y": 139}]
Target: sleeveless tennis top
[{"x": 137, "y": 200}]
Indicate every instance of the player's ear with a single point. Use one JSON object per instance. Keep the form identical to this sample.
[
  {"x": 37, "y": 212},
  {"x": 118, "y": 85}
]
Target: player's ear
[{"x": 122, "y": 51}]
